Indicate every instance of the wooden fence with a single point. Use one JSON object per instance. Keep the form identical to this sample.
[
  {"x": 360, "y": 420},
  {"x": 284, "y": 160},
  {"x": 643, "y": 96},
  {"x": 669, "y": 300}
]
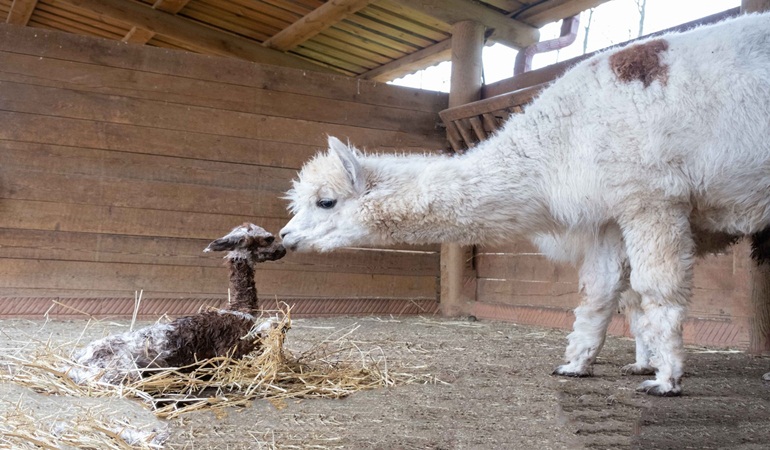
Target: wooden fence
[{"x": 119, "y": 163}]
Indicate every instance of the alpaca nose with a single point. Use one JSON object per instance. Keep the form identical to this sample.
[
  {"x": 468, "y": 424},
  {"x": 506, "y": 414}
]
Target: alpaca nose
[
  {"x": 283, "y": 234},
  {"x": 269, "y": 239}
]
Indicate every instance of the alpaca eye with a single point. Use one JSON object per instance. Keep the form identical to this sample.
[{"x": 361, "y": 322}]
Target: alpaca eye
[{"x": 326, "y": 203}]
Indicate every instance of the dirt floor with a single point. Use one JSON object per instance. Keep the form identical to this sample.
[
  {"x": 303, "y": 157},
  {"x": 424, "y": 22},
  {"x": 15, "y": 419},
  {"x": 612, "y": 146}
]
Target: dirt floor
[{"x": 495, "y": 392}]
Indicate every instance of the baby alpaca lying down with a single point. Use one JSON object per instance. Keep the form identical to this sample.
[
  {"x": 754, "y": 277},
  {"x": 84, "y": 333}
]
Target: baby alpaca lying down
[{"x": 182, "y": 343}]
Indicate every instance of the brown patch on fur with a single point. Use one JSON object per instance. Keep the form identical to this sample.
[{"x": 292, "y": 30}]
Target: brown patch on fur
[{"x": 641, "y": 62}]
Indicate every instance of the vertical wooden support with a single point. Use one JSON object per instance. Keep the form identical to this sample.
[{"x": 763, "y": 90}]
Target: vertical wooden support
[
  {"x": 759, "y": 333},
  {"x": 458, "y": 276},
  {"x": 750, "y": 6}
]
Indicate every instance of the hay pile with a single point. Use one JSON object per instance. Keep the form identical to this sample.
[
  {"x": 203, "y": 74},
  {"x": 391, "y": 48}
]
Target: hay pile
[{"x": 333, "y": 368}]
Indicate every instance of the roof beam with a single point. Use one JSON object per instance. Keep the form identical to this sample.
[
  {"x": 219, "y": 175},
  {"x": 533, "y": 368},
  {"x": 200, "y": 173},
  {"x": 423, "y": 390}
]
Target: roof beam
[
  {"x": 170, "y": 6},
  {"x": 142, "y": 36},
  {"x": 555, "y": 10},
  {"x": 21, "y": 11},
  {"x": 505, "y": 30},
  {"x": 215, "y": 41},
  {"x": 411, "y": 63},
  {"x": 138, "y": 35},
  {"x": 314, "y": 23}
]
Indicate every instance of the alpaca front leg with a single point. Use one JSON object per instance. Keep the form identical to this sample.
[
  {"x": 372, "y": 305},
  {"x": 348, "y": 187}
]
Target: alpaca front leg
[
  {"x": 662, "y": 325},
  {"x": 602, "y": 278},
  {"x": 631, "y": 303},
  {"x": 660, "y": 251}
]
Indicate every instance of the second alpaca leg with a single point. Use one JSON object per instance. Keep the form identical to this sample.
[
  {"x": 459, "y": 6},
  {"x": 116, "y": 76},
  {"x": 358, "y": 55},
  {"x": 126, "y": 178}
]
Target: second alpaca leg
[
  {"x": 631, "y": 303},
  {"x": 603, "y": 276}
]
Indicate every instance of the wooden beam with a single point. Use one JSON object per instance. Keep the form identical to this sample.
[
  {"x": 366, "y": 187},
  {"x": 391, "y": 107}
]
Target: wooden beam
[
  {"x": 555, "y": 10},
  {"x": 411, "y": 63},
  {"x": 750, "y": 6},
  {"x": 138, "y": 36},
  {"x": 504, "y": 30},
  {"x": 759, "y": 323},
  {"x": 21, "y": 11},
  {"x": 315, "y": 22},
  {"x": 215, "y": 41},
  {"x": 170, "y": 6},
  {"x": 142, "y": 36},
  {"x": 458, "y": 274}
]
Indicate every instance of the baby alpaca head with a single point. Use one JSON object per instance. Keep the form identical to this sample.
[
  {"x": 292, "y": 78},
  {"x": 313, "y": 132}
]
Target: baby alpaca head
[
  {"x": 325, "y": 202},
  {"x": 250, "y": 242}
]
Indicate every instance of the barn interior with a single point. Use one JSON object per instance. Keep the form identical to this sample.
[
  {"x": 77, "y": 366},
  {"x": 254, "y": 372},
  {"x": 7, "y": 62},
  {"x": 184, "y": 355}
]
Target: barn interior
[{"x": 136, "y": 131}]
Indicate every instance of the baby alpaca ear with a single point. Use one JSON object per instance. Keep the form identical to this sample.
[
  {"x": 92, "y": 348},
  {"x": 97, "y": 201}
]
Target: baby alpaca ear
[{"x": 347, "y": 156}]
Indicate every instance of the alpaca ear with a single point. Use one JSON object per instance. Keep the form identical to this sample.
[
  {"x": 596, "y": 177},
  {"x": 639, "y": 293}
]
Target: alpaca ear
[{"x": 347, "y": 156}]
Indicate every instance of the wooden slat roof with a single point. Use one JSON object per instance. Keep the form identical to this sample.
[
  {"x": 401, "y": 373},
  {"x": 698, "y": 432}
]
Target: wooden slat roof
[{"x": 372, "y": 39}]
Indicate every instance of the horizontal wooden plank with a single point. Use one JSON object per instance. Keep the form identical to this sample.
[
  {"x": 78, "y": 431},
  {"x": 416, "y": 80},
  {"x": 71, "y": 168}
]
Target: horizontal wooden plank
[
  {"x": 705, "y": 303},
  {"x": 35, "y": 128},
  {"x": 70, "y": 275},
  {"x": 73, "y": 161},
  {"x": 186, "y": 91},
  {"x": 521, "y": 246},
  {"x": 506, "y": 292},
  {"x": 717, "y": 303},
  {"x": 503, "y": 288},
  {"x": 40, "y": 215},
  {"x": 153, "y": 306},
  {"x": 25, "y": 98},
  {"x": 110, "y": 248},
  {"x": 125, "y": 193},
  {"x": 52, "y": 216},
  {"x": 53, "y": 44},
  {"x": 523, "y": 267}
]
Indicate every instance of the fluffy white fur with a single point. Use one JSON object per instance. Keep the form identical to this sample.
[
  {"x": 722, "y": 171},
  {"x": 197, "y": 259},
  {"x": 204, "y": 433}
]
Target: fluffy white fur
[{"x": 622, "y": 179}]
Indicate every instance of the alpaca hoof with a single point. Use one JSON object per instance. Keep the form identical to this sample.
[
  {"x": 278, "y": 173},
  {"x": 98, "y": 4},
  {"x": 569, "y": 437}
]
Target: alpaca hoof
[
  {"x": 567, "y": 370},
  {"x": 637, "y": 369},
  {"x": 766, "y": 377},
  {"x": 660, "y": 388}
]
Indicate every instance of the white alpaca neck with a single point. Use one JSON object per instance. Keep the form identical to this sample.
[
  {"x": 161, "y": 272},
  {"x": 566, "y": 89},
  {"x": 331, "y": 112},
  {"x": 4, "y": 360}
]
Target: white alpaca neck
[{"x": 488, "y": 195}]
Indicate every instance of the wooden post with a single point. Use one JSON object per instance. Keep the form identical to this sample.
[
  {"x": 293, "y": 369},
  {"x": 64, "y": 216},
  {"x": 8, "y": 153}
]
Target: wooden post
[
  {"x": 759, "y": 332},
  {"x": 750, "y": 6},
  {"x": 458, "y": 276}
]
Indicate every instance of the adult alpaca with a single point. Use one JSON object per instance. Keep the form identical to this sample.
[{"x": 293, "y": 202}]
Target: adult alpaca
[{"x": 624, "y": 166}]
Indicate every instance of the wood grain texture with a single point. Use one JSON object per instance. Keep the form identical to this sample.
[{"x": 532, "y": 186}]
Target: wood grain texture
[
  {"x": 20, "y": 12},
  {"x": 47, "y": 44},
  {"x": 315, "y": 22},
  {"x": 118, "y": 164}
]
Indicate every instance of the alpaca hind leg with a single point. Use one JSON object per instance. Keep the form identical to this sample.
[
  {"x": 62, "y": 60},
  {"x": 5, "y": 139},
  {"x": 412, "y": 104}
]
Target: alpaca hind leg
[
  {"x": 602, "y": 278},
  {"x": 660, "y": 250},
  {"x": 631, "y": 303}
]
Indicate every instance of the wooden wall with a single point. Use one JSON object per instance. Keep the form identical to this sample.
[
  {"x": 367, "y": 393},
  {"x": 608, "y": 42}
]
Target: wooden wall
[
  {"x": 119, "y": 163},
  {"x": 517, "y": 283}
]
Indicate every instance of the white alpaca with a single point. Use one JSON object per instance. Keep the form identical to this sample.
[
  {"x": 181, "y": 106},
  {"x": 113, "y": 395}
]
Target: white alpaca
[{"x": 623, "y": 166}]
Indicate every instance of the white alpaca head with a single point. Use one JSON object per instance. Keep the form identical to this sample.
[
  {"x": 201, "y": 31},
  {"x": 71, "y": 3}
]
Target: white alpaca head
[{"x": 325, "y": 202}]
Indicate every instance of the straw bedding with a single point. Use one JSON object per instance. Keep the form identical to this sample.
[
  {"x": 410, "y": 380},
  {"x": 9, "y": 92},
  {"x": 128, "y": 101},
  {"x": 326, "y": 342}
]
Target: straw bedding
[{"x": 333, "y": 368}]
